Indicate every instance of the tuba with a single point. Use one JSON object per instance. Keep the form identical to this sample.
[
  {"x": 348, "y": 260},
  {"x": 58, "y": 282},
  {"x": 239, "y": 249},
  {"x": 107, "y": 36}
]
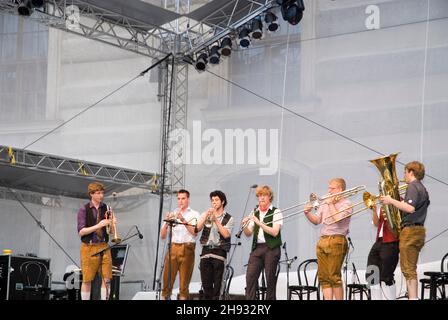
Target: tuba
[{"x": 389, "y": 186}]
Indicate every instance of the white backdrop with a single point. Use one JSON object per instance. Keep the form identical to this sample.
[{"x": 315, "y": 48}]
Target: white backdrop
[{"x": 346, "y": 91}]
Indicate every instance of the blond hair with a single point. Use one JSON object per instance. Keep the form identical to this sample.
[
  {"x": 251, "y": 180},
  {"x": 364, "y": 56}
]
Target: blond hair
[
  {"x": 265, "y": 190},
  {"x": 340, "y": 182}
]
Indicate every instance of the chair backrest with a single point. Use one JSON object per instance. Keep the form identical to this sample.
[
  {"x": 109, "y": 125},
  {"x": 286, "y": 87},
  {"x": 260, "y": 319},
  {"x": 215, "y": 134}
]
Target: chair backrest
[
  {"x": 34, "y": 274},
  {"x": 303, "y": 268},
  {"x": 444, "y": 263}
]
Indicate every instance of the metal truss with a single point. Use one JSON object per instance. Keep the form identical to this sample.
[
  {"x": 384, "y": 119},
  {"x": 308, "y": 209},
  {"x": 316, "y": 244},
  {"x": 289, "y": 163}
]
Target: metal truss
[
  {"x": 223, "y": 22},
  {"x": 101, "y": 25},
  {"x": 65, "y": 166},
  {"x": 182, "y": 36},
  {"x": 46, "y": 200},
  {"x": 174, "y": 120}
]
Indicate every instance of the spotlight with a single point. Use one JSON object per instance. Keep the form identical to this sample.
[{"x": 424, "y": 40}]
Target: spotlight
[
  {"x": 201, "y": 62},
  {"x": 257, "y": 28},
  {"x": 226, "y": 47},
  {"x": 292, "y": 10},
  {"x": 271, "y": 20},
  {"x": 24, "y": 8},
  {"x": 244, "y": 38},
  {"x": 214, "y": 55}
]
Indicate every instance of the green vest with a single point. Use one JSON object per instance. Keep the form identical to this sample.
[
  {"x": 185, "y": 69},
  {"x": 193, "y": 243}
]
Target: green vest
[{"x": 272, "y": 242}]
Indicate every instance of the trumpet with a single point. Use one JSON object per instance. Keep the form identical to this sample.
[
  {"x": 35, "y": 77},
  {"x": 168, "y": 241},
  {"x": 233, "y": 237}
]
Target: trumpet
[
  {"x": 208, "y": 221},
  {"x": 369, "y": 202},
  {"x": 238, "y": 235},
  {"x": 111, "y": 215}
]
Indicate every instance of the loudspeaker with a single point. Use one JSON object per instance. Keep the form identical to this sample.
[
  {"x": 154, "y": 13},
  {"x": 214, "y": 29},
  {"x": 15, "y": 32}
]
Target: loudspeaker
[{"x": 24, "y": 278}]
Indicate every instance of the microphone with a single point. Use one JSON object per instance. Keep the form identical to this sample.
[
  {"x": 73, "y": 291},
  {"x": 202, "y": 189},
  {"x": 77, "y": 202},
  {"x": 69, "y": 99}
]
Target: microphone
[
  {"x": 284, "y": 246},
  {"x": 254, "y": 186},
  {"x": 350, "y": 243},
  {"x": 139, "y": 233}
]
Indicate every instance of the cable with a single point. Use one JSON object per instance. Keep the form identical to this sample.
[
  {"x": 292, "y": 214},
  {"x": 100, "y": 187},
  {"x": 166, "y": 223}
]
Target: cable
[
  {"x": 141, "y": 74},
  {"x": 41, "y": 225}
]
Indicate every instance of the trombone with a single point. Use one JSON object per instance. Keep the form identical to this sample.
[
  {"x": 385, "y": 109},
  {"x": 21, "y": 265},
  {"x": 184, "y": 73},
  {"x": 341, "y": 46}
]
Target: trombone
[
  {"x": 315, "y": 200},
  {"x": 111, "y": 215},
  {"x": 369, "y": 200}
]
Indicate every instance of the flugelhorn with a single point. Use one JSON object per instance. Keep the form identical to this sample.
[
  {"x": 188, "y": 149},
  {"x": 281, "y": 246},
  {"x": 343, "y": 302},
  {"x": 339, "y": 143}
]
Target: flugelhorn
[{"x": 111, "y": 215}]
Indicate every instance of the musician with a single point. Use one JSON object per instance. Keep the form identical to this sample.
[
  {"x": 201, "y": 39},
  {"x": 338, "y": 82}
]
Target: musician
[
  {"x": 383, "y": 258},
  {"x": 92, "y": 223},
  {"x": 217, "y": 225},
  {"x": 412, "y": 236},
  {"x": 180, "y": 257},
  {"x": 265, "y": 225},
  {"x": 332, "y": 245}
]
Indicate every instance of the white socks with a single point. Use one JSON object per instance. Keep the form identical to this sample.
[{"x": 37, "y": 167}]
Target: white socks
[
  {"x": 375, "y": 292},
  {"x": 103, "y": 293},
  {"x": 389, "y": 292},
  {"x": 85, "y": 295}
]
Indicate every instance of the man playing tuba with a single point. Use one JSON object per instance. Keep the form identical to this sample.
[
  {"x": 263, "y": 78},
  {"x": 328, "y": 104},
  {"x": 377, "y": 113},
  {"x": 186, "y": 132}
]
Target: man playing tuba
[{"x": 412, "y": 236}]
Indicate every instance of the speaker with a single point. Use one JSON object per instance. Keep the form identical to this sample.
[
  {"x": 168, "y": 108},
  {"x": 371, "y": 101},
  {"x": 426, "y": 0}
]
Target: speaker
[{"x": 24, "y": 278}]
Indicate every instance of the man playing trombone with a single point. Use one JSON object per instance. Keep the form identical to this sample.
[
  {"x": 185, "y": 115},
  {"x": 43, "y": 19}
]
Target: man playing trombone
[
  {"x": 215, "y": 240},
  {"x": 332, "y": 245},
  {"x": 264, "y": 223}
]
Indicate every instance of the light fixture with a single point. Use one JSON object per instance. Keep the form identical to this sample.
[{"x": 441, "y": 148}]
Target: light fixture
[
  {"x": 26, "y": 7},
  {"x": 257, "y": 28},
  {"x": 244, "y": 39},
  {"x": 214, "y": 55},
  {"x": 271, "y": 20},
  {"x": 201, "y": 62},
  {"x": 292, "y": 10},
  {"x": 226, "y": 47}
]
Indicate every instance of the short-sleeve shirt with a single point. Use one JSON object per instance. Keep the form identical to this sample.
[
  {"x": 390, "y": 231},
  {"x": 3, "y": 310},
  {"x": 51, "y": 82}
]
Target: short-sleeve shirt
[{"x": 416, "y": 196}]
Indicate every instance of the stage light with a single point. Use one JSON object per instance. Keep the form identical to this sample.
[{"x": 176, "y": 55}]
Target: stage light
[
  {"x": 214, "y": 55},
  {"x": 201, "y": 62},
  {"x": 292, "y": 10},
  {"x": 244, "y": 39},
  {"x": 271, "y": 20},
  {"x": 257, "y": 29},
  {"x": 226, "y": 47},
  {"x": 26, "y": 7}
]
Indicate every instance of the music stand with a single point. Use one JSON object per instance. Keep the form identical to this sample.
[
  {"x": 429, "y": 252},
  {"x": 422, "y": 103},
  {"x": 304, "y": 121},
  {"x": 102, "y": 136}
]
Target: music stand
[{"x": 119, "y": 257}]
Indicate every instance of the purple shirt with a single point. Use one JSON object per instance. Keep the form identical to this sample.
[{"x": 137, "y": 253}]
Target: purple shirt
[
  {"x": 340, "y": 227},
  {"x": 82, "y": 221}
]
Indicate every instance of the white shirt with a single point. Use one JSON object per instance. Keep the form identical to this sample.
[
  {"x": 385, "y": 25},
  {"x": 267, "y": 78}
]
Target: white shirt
[
  {"x": 278, "y": 219},
  {"x": 214, "y": 237},
  {"x": 378, "y": 212},
  {"x": 180, "y": 232}
]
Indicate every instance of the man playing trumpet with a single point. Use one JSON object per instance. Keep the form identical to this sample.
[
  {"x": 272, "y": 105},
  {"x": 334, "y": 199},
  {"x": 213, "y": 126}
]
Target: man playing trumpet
[
  {"x": 332, "y": 246},
  {"x": 217, "y": 225},
  {"x": 181, "y": 254},
  {"x": 92, "y": 224}
]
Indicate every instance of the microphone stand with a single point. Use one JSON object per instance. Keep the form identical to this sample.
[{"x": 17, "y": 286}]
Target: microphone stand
[
  {"x": 224, "y": 294},
  {"x": 288, "y": 263},
  {"x": 346, "y": 268},
  {"x": 171, "y": 223},
  {"x": 110, "y": 247}
]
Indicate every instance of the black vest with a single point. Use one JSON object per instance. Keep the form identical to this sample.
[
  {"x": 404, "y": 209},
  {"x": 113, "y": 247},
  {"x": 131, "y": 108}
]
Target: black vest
[
  {"x": 91, "y": 221},
  {"x": 224, "y": 243}
]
